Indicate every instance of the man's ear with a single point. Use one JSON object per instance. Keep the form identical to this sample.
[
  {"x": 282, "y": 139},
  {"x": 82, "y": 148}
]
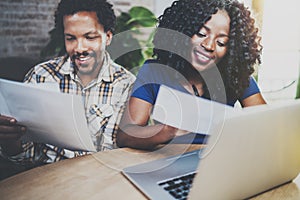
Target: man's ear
[{"x": 109, "y": 36}]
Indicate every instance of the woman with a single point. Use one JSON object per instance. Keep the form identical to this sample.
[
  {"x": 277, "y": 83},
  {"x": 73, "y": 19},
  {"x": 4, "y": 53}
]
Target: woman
[{"x": 195, "y": 39}]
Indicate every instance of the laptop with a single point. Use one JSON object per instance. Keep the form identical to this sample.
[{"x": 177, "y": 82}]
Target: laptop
[{"x": 249, "y": 153}]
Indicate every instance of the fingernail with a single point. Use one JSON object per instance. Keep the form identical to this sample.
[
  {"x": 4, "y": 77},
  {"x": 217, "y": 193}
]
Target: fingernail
[{"x": 13, "y": 121}]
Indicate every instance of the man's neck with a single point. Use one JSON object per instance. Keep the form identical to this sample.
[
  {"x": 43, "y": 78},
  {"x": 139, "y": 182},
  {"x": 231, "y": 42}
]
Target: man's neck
[{"x": 86, "y": 79}]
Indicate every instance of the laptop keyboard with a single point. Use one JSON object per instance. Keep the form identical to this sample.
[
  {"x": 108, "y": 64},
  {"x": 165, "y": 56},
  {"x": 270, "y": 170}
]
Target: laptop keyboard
[{"x": 179, "y": 187}]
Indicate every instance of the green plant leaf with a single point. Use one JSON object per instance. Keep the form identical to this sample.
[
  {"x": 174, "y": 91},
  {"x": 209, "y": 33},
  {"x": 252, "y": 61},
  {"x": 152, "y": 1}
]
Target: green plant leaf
[
  {"x": 142, "y": 16},
  {"x": 298, "y": 88},
  {"x": 122, "y": 22}
]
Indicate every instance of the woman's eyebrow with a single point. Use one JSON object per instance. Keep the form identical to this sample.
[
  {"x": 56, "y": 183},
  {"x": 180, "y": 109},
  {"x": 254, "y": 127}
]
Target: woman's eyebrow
[{"x": 220, "y": 35}]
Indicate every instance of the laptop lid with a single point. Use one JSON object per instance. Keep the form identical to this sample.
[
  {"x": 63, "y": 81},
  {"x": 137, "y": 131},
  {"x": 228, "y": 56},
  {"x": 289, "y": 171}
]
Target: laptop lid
[
  {"x": 246, "y": 154},
  {"x": 255, "y": 151}
]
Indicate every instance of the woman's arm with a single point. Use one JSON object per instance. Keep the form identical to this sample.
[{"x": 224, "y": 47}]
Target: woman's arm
[
  {"x": 134, "y": 130},
  {"x": 253, "y": 100},
  {"x": 252, "y": 95}
]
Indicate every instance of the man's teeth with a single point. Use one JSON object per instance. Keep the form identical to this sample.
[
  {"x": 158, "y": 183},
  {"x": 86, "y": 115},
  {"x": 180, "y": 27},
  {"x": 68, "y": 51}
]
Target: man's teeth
[{"x": 83, "y": 59}]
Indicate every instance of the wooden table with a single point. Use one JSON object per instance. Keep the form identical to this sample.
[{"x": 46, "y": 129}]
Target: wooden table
[{"x": 98, "y": 176}]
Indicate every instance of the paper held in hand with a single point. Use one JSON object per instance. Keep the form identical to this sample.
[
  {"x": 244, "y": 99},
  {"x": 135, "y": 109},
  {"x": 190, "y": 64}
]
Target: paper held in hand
[
  {"x": 188, "y": 112},
  {"x": 51, "y": 117}
]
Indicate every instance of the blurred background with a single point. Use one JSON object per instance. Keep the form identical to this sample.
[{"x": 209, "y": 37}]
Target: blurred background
[{"x": 25, "y": 26}]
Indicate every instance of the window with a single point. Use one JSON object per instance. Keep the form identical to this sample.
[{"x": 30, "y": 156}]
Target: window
[{"x": 278, "y": 74}]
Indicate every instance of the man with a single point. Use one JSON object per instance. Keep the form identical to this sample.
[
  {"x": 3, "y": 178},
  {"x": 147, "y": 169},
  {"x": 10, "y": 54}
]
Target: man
[{"x": 87, "y": 27}]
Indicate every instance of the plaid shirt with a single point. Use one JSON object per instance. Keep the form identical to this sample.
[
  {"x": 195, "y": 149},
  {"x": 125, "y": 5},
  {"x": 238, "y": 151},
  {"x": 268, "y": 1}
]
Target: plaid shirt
[{"x": 104, "y": 100}]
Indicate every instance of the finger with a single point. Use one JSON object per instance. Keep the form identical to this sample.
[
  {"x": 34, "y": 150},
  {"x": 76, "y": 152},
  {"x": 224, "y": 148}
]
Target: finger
[
  {"x": 4, "y": 129},
  {"x": 11, "y": 136},
  {"x": 171, "y": 128},
  {"x": 181, "y": 132},
  {"x": 7, "y": 120}
]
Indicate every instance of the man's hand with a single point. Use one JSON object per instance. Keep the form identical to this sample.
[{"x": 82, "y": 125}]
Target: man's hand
[
  {"x": 9, "y": 129},
  {"x": 10, "y": 134}
]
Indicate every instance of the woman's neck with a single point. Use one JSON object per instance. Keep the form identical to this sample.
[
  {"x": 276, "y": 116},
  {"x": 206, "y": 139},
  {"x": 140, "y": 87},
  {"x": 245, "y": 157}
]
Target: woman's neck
[{"x": 193, "y": 87}]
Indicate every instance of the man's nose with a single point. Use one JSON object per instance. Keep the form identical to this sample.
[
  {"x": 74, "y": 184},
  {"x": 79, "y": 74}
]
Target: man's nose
[{"x": 80, "y": 47}]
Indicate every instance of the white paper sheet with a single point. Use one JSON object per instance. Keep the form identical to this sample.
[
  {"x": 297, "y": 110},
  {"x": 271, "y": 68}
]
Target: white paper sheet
[
  {"x": 188, "y": 112},
  {"x": 51, "y": 117}
]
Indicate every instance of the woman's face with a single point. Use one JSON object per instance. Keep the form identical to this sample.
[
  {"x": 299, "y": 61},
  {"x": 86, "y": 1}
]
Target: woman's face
[{"x": 209, "y": 45}]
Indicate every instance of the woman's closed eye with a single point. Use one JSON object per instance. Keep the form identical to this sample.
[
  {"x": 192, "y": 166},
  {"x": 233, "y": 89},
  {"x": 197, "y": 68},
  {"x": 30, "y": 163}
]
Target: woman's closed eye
[
  {"x": 221, "y": 43},
  {"x": 201, "y": 34}
]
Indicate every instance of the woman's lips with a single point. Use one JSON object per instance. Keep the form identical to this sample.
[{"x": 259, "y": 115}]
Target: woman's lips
[{"x": 202, "y": 57}]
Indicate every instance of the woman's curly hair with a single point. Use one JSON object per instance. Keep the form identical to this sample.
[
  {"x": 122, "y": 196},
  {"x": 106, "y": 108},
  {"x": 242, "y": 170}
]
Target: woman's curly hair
[
  {"x": 102, "y": 8},
  {"x": 187, "y": 17}
]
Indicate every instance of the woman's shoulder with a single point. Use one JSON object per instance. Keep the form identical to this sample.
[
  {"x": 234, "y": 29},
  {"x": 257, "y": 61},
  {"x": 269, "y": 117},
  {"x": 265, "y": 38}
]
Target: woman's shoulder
[
  {"x": 149, "y": 66},
  {"x": 155, "y": 69}
]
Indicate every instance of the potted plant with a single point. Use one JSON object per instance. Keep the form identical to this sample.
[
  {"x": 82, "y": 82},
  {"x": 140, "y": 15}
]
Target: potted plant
[{"x": 130, "y": 48}]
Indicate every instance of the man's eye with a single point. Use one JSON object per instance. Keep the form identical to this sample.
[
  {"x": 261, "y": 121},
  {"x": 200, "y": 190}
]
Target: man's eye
[
  {"x": 91, "y": 37},
  {"x": 69, "y": 38}
]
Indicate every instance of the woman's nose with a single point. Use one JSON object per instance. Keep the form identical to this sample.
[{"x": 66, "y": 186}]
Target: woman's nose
[{"x": 208, "y": 44}]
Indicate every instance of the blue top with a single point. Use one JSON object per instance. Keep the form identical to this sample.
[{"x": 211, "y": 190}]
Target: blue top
[{"x": 153, "y": 74}]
